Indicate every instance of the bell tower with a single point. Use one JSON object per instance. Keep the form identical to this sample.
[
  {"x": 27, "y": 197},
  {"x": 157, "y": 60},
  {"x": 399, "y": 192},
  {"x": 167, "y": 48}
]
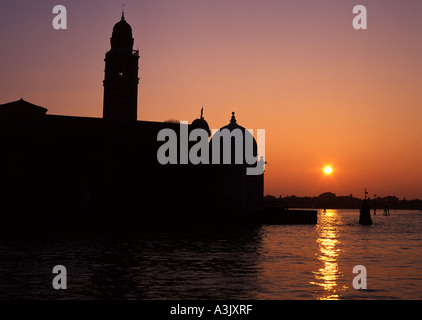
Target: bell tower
[{"x": 121, "y": 75}]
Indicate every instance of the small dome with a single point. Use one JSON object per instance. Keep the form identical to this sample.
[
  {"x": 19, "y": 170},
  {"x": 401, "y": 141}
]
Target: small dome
[
  {"x": 122, "y": 28},
  {"x": 122, "y": 37},
  {"x": 201, "y": 123}
]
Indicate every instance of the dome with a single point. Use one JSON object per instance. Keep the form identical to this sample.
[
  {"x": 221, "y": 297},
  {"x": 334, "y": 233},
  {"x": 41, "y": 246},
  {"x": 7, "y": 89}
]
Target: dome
[
  {"x": 122, "y": 37},
  {"x": 201, "y": 123},
  {"x": 231, "y": 127}
]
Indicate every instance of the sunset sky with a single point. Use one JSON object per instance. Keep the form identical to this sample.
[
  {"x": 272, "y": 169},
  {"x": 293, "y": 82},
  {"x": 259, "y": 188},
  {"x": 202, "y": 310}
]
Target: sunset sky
[{"x": 326, "y": 94}]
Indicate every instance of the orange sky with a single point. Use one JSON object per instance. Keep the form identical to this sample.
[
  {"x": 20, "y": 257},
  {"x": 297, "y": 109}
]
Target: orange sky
[{"x": 324, "y": 92}]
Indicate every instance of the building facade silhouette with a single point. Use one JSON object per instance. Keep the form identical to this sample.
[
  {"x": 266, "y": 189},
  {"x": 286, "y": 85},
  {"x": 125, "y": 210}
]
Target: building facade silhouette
[{"x": 83, "y": 167}]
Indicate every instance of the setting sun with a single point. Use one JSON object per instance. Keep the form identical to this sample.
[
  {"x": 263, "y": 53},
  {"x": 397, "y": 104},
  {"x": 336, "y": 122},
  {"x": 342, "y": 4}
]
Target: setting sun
[{"x": 328, "y": 170}]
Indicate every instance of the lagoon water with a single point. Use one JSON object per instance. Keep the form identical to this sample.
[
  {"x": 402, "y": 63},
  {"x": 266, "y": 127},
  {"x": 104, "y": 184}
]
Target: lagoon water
[{"x": 271, "y": 262}]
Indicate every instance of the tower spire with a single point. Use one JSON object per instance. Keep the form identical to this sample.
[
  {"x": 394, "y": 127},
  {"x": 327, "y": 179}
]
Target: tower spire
[
  {"x": 123, "y": 10},
  {"x": 121, "y": 74}
]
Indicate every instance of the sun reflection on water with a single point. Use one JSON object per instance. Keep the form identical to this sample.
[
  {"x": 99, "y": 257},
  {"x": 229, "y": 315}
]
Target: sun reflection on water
[{"x": 327, "y": 276}]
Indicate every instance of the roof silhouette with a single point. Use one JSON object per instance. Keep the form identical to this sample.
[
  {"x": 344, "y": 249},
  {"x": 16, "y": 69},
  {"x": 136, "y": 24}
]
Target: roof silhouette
[{"x": 22, "y": 108}]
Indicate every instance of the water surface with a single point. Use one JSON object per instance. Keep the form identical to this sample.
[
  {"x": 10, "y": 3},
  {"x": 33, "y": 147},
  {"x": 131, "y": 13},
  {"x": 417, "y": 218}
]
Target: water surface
[{"x": 271, "y": 262}]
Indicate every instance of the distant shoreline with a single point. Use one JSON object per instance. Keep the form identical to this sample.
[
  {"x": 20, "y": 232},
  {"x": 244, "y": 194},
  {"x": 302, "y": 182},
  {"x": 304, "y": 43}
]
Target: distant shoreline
[{"x": 330, "y": 200}]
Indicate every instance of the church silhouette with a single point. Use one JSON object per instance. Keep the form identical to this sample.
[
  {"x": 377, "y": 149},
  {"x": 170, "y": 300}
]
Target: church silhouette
[{"x": 85, "y": 171}]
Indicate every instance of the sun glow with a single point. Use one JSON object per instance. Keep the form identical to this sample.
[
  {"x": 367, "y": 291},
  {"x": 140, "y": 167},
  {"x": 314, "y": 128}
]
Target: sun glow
[{"x": 328, "y": 170}]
